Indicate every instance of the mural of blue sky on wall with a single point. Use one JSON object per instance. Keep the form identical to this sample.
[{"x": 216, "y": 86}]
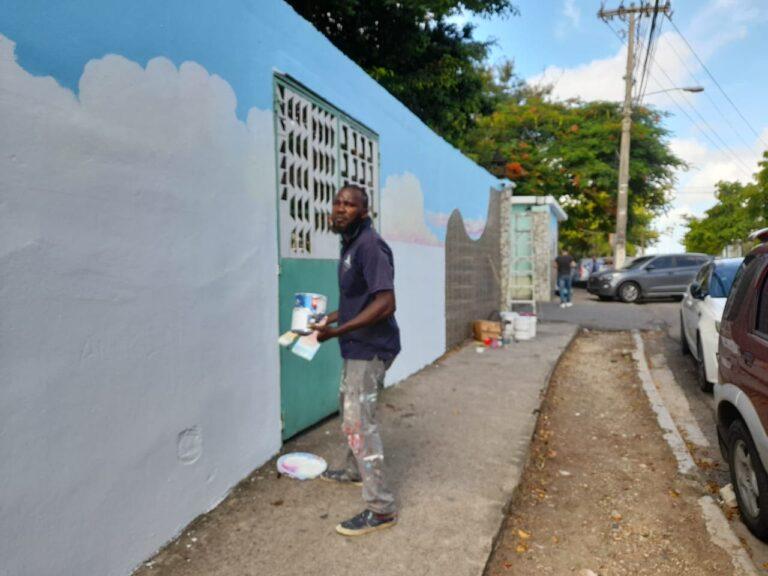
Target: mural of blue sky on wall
[{"x": 243, "y": 42}]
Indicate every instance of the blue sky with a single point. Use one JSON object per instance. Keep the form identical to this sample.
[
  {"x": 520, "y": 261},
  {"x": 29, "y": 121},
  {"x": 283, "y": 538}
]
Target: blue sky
[{"x": 564, "y": 43}]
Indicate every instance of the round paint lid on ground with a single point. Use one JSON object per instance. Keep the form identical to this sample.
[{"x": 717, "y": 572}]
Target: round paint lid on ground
[{"x": 301, "y": 465}]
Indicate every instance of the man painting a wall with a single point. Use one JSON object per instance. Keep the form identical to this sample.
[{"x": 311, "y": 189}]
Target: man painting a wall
[{"x": 369, "y": 339}]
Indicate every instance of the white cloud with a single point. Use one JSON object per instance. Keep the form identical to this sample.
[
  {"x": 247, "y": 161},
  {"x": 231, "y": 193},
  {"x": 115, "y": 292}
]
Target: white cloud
[
  {"x": 571, "y": 12},
  {"x": 696, "y": 189},
  {"x": 717, "y": 24},
  {"x": 402, "y": 206},
  {"x": 570, "y": 18}
]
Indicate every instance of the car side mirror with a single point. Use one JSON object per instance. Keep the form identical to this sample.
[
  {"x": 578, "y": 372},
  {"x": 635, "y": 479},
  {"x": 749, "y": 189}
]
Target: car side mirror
[
  {"x": 650, "y": 268},
  {"x": 695, "y": 289},
  {"x": 698, "y": 292}
]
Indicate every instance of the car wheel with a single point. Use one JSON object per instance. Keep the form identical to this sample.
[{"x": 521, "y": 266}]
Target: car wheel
[
  {"x": 684, "y": 348},
  {"x": 750, "y": 482},
  {"x": 629, "y": 292},
  {"x": 701, "y": 370}
]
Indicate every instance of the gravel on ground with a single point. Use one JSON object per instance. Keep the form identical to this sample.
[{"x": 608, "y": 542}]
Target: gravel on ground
[{"x": 601, "y": 494}]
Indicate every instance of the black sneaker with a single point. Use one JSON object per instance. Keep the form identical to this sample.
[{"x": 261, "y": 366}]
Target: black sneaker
[
  {"x": 340, "y": 476},
  {"x": 365, "y": 522}
]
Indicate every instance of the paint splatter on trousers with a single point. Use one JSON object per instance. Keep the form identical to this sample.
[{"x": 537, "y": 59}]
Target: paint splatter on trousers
[{"x": 361, "y": 382}]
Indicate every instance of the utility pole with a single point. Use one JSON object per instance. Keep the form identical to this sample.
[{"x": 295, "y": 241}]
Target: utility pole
[{"x": 633, "y": 12}]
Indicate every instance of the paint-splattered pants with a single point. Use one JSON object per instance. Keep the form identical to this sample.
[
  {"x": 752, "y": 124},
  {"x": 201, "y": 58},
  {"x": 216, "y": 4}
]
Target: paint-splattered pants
[{"x": 360, "y": 384}]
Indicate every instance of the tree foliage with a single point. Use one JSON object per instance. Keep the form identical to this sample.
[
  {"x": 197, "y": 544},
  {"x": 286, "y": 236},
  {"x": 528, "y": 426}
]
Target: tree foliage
[
  {"x": 740, "y": 209},
  {"x": 434, "y": 67},
  {"x": 570, "y": 150}
]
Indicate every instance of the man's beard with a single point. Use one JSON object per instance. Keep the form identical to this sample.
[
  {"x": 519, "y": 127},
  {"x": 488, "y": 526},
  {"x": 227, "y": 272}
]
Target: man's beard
[{"x": 350, "y": 230}]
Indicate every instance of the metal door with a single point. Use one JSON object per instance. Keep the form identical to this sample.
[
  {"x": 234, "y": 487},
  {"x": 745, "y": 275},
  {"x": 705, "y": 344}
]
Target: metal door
[
  {"x": 659, "y": 275},
  {"x": 318, "y": 149}
]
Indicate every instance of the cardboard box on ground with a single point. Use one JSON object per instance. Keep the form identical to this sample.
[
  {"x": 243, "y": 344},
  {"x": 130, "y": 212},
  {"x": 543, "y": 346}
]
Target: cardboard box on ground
[{"x": 485, "y": 329}]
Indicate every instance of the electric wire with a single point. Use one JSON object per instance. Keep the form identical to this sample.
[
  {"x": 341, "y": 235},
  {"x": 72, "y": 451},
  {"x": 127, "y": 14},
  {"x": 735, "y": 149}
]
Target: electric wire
[
  {"x": 712, "y": 101},
  {"x": 722, "y": 90},
  {"x": 641, "y": 45},
  {"x": 733, "y": 154},
  {"x": 649, "y": 47},
  {"x": 655, "y": 45},
  {"x": 695, "y": 124}
]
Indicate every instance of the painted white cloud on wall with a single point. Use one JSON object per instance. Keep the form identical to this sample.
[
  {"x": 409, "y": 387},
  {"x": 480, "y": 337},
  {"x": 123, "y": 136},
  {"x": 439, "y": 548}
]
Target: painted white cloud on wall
[
  {"x": 138, "y": 253},
  {"x": 402, "y": 206},
  {"x": 473, "y": 226}
]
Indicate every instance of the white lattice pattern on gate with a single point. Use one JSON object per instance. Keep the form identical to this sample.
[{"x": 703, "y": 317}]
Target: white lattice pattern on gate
[
  {"x": 318, "y": 151},
  {"x": 360, "y": 162}
]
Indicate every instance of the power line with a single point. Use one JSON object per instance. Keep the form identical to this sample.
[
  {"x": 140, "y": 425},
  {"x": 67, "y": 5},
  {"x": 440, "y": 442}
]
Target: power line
[
  {"x": 707, "y": 124},
  {"x": 649, "y": 48},
  {"x": 653, "y": 58},
  {"x": 709, "y": 96},
  {"x": 704, "y": 66},
  {"x": 669, "y": 95}
]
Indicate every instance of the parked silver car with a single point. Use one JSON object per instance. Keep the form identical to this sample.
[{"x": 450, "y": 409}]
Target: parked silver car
[{"x": 660, "y": 275}]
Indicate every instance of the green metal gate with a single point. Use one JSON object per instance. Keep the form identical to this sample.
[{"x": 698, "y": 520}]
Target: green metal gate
[{"x": 318, "y": 149}]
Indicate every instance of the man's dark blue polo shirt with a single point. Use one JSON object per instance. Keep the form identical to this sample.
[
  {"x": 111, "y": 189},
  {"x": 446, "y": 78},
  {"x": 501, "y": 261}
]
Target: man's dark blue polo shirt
[{"x": 366, "y": 267}]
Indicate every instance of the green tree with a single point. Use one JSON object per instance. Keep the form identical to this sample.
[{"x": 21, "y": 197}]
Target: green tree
[
  {"x": 570, "y": 150},
  {"x": 740, "y": 209},
  {"x": 434, "y": 67}
]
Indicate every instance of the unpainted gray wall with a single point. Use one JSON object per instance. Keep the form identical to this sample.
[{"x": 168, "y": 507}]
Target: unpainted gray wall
[{"x": 472, "y": 273}]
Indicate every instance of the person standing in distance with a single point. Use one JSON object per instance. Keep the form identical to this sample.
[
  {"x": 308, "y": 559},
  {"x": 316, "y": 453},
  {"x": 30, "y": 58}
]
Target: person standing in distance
[
  {"x": 564, "y": 265},
  {"x": 369, "y": 339}
]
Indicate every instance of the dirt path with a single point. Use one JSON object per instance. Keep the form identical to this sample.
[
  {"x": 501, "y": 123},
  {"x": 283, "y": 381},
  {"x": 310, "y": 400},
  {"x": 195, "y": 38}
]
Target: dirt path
[{"x": 601, "y": 491}]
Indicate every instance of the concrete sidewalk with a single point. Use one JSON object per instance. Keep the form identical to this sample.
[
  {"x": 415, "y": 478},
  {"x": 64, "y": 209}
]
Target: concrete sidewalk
[{"x": 456, "y": 437}]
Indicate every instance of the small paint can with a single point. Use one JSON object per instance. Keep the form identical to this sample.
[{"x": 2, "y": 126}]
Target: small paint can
[{"x": 308, "y": 309}]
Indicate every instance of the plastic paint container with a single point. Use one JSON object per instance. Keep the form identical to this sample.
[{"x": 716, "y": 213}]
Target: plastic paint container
[
  {"x": 525, "y": 327},
  {"x": 308, "y": 309},
  {"x": 508, "y": 324}
]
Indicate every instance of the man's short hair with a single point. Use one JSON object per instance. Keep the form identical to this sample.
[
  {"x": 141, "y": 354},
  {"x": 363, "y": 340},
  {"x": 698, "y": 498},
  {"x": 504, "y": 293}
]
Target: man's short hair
[{"x": 361, "y": 191}]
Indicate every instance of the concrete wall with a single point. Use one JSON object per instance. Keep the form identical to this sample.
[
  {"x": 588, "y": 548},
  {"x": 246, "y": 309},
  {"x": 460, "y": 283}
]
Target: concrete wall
[
  {"x": 472, "y": 274},
  {"x": 139, "y": 374},
  {"x": 138, "y": 260}
]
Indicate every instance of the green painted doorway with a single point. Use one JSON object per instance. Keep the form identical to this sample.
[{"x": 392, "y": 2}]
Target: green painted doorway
[{"x": 318, "y": 149}]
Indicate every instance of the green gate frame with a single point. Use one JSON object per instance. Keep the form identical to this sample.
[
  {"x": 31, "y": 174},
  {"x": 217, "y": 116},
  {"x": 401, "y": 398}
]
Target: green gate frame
[{"x": 309, "y": 391}]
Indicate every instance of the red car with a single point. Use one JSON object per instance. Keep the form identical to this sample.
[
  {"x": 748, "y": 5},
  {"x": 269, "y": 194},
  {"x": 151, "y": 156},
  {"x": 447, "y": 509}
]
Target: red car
[{"x": 741, "y": 397}]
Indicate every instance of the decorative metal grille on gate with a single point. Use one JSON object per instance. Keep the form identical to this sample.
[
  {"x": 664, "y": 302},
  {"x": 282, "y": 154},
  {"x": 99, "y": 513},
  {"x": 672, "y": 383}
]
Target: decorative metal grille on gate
[{"x": 319, "y": 149}]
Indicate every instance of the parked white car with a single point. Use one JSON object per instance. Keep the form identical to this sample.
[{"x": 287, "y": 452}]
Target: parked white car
[{"x": 700, "y": 314}]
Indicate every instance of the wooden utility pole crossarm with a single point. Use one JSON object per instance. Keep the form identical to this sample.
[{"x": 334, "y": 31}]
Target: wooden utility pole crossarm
[{"x": 630, "y": 14}]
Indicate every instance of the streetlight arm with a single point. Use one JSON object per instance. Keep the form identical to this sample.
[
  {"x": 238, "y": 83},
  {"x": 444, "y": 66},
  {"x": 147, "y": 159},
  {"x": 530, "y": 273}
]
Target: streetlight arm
[{"x": 683, "y": 89}]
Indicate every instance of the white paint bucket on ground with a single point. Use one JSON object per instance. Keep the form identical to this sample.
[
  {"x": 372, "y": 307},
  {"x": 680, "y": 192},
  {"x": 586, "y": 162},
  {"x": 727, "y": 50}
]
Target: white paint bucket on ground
[
  {"x": 525, "y": 326},
  {"x": 308, "y": 309},
  {"x": 508, "y": 323}
]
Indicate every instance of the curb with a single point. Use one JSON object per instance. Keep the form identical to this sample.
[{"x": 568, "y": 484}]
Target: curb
[
  {"x": 719, "y": 528},
  {"x": 542, "y": 395}
]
